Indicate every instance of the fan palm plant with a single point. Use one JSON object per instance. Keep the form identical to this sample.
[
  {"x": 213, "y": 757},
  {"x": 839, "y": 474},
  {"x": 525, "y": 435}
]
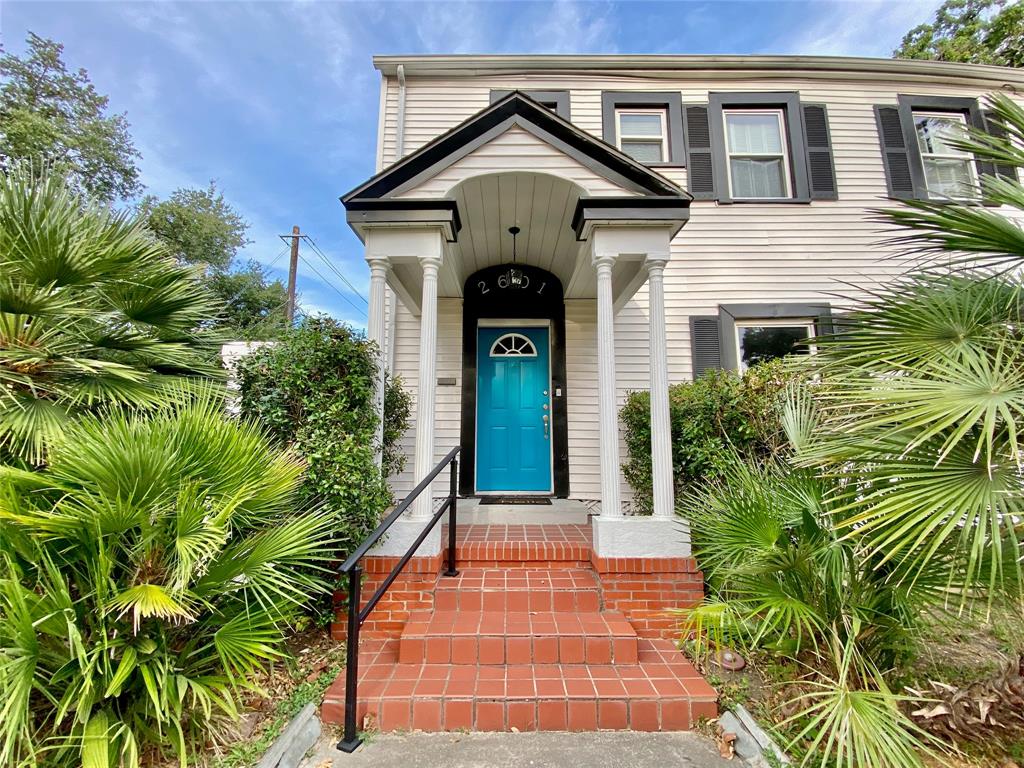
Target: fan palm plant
[
  {"x": 145, "y": 575},
  {"x": 922, "y": 394},
  {"x": 92, "y": 311},
  {"x": 903, "y": 487},
  {"x": 781, "y": 577}
]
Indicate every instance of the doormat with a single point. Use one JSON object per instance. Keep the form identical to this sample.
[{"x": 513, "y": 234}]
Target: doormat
[{"x": 518, "y": 500}]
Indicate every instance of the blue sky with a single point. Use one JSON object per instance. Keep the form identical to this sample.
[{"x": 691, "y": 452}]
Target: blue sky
[{"x": 278, "y": 101}]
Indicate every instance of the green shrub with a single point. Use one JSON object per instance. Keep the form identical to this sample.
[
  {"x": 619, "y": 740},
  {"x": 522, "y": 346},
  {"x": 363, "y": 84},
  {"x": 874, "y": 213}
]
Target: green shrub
[
  {"x": 145, "y": 575},
  {"x": 712, "y": 418},
  {"x": 314, "y": 390}
]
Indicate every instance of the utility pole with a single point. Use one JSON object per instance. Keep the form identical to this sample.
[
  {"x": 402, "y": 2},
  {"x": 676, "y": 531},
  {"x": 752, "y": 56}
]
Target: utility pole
[{"x": 292, "y": 269}]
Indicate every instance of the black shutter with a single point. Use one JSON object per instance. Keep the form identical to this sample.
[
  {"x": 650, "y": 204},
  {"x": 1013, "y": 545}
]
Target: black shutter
[
  {"x": 894, "y": 153},
  {"x": 704, "y": 344},
  {"x": 700, "y": 173},
  {"x": 1003, "y": 170},
  {"x": 821, "y": 171}
]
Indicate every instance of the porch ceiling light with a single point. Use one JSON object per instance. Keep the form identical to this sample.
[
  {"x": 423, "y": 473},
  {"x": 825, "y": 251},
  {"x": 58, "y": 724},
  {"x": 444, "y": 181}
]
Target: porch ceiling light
[{"x": 515, "y": 275}]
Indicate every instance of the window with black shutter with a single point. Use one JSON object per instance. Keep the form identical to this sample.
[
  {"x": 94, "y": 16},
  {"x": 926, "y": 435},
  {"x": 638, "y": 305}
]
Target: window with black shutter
[
  {"x": 700, "y": 174},
  {"x": 760, "y": 147},
  {"x": 920, "y": 163},
  {"x": 704, "y": 344},
  {"x": 741, "y": 335},
  {"x": 1002, "y": 170},
  {"x": 821, "y": 170}
]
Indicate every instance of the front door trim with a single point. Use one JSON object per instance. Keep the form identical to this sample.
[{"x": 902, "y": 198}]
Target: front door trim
[
  {"x": 504, "y": 305},
  {"x": 512, "y": 323}
]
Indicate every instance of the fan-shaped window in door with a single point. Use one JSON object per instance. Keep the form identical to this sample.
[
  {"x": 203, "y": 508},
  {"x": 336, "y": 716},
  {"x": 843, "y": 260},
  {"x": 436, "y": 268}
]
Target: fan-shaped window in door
[{"x": 513, "y": 345}]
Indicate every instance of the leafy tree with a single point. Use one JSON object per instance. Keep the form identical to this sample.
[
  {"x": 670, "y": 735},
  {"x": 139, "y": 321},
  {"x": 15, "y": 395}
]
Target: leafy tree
[
  {"x": 202, "y": 229},
  {"x": 146, "y": 574},
  {"x": 93, "y": 312},
  {"x": 54, "y": 117},
  {"x": 198, "y": 225},
  {"x": 971, "y": 31},
  {"x": 254, "y": 305}
]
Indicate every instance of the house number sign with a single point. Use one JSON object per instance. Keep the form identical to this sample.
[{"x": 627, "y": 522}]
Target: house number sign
[{"x": 511, "y": 279}]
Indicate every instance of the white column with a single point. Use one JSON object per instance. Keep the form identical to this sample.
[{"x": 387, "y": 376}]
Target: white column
[
  {"x": 375, "y": 333},
  {"x": 661, "y": 425},
  {"x": 424, "y": 462},
  {"x": 608, "y": 417}
]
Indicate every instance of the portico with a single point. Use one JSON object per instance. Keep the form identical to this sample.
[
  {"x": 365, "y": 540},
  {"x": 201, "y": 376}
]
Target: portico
[{"x": 537, "y": 312}]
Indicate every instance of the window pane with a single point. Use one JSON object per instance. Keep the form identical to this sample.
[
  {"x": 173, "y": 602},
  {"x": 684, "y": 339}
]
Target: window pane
[
  {"x": 933, "y": 131},
  {"x": 760, "y": 343},
  {"x": 948, "y": 178},
  {"x": 757, "y": 177},
  {"x": 644, "y": 151},
  {"x": 639, "y": 125},
  {"x": 754, "y": 133}
]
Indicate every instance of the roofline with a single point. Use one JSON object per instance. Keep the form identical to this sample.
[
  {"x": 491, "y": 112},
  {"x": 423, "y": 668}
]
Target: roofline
[
  {"x": 668, "y": 65},
  {"x": 498, "y": 116}
]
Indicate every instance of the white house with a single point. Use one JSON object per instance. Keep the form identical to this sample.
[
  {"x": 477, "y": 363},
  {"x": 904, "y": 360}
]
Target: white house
[{"x": 548, "y": 233}]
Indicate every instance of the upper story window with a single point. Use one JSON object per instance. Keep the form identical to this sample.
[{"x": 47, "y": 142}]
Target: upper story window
[
  {"x": 646, "y": 125},
  {"x": 758, "y": 158},
  {"x": 642, "y": 134},
  {"x": 759, "y": 147},
  {"x": 949, "y": 172},
  {"x": 920, "y": 162}
]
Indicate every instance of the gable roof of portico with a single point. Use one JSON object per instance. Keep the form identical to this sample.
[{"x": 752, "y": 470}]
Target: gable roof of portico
[{"x": 514, "y": 110}]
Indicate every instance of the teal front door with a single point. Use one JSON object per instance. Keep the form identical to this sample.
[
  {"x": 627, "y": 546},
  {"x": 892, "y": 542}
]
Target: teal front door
[{"x": 513, "y": 418}]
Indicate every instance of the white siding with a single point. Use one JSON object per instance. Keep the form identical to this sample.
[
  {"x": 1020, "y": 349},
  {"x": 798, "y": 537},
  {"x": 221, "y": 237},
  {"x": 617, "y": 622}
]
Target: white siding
[
  {"x": 520, "y": 150},
  {"x": 726, "y": 253}
]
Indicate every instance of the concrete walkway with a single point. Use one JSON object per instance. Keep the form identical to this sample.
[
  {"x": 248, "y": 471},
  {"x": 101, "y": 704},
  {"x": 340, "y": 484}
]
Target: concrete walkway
[{"x": 605, "y": 749}]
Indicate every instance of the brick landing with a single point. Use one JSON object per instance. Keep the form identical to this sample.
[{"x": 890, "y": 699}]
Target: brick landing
[{"x": 534, "y": 634}]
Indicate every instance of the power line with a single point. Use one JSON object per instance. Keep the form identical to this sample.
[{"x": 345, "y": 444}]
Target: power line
[
  {"x": 274, "y": 260},
  {"x": 357, "y": 308},
  {"x": 334, "y": 269}
]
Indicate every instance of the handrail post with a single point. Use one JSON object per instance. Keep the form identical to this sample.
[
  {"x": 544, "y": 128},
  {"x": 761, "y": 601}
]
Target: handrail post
[
  {"x": 351, "y": 739},
  {"x": 453, "y": 495}
]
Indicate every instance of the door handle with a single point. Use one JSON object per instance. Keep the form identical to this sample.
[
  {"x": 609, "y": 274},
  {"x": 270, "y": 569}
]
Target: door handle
[{"x": 545, "y": 417}]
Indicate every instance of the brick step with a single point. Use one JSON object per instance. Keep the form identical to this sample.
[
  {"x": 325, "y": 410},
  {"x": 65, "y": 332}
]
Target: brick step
[
  {"x": 464, "y": 638},
  {"x": 662, "y": 692},
  {"x": 520, "y": 589},
  {"x": 523, "y": 546}
]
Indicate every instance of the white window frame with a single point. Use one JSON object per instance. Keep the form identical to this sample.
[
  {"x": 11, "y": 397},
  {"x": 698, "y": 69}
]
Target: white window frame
[
  {"x": 662, "y": 141},
  {"x": 967, "y": 157},
  {"x": 788, "y": 322},
  {"x": 513, "y": 336},
  {"x": 780, "y": 116}
]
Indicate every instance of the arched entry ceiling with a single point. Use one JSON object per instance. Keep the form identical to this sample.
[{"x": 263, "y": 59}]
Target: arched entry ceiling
[{"x": 539, "y": 204}]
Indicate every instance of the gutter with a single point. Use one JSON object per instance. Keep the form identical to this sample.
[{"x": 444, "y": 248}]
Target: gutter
[
  {"x": 400, "y": 117},
  {"x": 712, "y": 66}
]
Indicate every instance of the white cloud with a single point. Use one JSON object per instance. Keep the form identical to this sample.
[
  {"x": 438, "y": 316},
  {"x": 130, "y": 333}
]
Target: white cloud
[
  {"x": 858, "y": 28},
  {"x": 576, "y": 27}
]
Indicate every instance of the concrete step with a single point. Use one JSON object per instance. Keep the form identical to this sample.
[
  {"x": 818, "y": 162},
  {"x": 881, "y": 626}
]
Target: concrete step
[
  {"x": 509, "y": 637},
  {"x": 519, "y": 589},
  {"x": 660, "y": 692}
]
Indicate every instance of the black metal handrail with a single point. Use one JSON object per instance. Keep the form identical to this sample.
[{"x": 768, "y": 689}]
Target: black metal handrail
[{"x": 354, "y": 571}]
